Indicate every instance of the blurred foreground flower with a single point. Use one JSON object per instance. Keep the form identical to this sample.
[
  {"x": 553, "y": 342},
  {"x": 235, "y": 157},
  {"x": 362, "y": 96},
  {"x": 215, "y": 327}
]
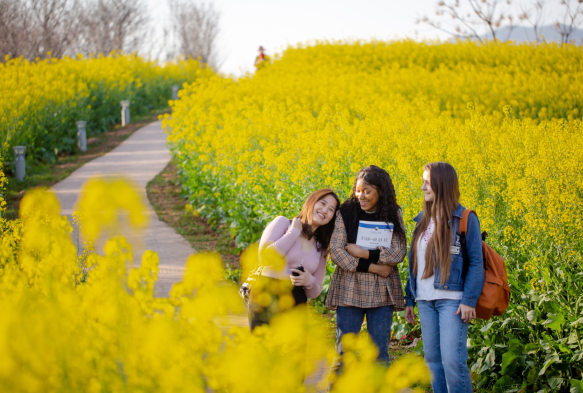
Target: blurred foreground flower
[{"x": 110, "y": 333}]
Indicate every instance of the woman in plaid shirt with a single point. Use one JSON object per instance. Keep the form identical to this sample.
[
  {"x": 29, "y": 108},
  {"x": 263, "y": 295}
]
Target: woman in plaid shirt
[{"x": 367, "y": 282}]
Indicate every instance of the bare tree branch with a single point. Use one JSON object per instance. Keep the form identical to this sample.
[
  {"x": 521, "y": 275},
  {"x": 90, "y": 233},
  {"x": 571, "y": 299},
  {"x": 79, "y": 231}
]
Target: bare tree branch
[
  {"x": 113, "y": 25},
  {"x": 534, "y": 15},
  {"x": 32, "y": 28},
  {"x": 467, "y": 21},
  {"x": 571, "y": 19},
  {"x": 14, "y": 29},
  {"x": 195, "y": 28}
]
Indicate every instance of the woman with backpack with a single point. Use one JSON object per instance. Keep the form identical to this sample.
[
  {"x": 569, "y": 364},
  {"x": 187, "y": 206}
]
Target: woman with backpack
[
  {"x": 445, "y": 288},
  {"x": 303, "y": 243},
  {"x": 366, "y": 281}
]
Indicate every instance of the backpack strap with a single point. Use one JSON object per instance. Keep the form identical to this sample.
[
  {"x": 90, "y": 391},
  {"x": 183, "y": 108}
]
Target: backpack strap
[
  {"x": 463, "y": 228},
  {"x": 464, "y": 222}
]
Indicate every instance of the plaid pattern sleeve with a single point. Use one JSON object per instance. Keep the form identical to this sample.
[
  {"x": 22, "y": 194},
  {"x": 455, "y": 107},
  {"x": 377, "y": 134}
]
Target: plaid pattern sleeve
[
  {"x": 396, "y": 253},
  {"x": 338, "y": 253},
  {"x": 358, "y": 289}
]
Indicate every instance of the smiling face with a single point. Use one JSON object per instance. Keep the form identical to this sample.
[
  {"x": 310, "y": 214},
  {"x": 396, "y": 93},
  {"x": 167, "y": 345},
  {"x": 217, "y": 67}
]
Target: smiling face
[
  {"x": 367, "y": 195},
  {"x": 323, "y": 211},
  {"x": 426, "y": 187}
]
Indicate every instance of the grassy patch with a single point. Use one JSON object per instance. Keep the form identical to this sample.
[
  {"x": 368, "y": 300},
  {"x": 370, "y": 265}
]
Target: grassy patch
[
  {"x": 49, "y": 174},
  {"x": 164, "y": 194}
]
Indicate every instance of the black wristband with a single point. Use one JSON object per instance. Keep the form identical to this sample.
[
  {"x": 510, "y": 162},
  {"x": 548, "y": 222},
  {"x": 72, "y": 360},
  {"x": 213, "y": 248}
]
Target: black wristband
[
  {"x": 363, "y": 265},
  {"x": 374, "y": 255}
]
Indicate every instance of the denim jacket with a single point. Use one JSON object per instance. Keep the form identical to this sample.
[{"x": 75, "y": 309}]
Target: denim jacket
[{"x": 470, "y": 278}]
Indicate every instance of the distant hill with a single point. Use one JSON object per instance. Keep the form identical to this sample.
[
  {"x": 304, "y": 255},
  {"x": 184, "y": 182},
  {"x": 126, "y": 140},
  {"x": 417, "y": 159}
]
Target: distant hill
[{"x": 526, "y": 34}]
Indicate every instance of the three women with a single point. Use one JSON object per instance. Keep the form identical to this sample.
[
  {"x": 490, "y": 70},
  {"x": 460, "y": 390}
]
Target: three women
[{"x": 366, "y": 282}]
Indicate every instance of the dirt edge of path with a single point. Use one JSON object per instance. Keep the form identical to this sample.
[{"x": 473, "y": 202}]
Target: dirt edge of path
[{"x": 165, "y": 195}]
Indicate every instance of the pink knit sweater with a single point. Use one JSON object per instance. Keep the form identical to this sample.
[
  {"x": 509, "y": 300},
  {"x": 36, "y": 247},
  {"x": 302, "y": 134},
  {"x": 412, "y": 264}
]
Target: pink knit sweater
[{"x": 285, "y": 239}]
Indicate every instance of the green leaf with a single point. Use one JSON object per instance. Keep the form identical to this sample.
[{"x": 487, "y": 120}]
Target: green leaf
[
  {"x": 564, "y": 349},
  {"x": 532, "y": 376},
  {"x": 419, "y": 348},
  {"x": 555, "y": 321},
  {"x": 503, "y": 382},
  {"x": 531, "y": 348},
  {"x": 507, "y": 359},
  {"x": 487, "y": 327},
  {"x": 576, "y": 386},
  {"x": 578, "y": 356},
  {"x": 549, "y": 361},
  {"x": 490, "y": 359},
  {"x": 531, "y": 315},
  {"x": 554, "y": 383}
]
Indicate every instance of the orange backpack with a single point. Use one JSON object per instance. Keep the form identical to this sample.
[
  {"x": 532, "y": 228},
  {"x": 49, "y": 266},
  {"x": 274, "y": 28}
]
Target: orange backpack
[{"x": 495, "y": 295}]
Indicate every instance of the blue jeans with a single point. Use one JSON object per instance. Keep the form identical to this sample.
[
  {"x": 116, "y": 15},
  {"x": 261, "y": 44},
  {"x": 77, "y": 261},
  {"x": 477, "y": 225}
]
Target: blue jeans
[
  {"x": 378, "y": 321},
  {"x": 445, "y": 345}
]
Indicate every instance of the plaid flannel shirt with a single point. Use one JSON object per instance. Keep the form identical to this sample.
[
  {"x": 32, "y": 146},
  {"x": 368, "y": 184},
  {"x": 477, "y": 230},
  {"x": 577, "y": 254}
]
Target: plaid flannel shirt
[{"x": 365, "y": 290}]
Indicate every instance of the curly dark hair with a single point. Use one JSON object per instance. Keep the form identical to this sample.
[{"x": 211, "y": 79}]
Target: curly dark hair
[{"x": 387, "y": 205}]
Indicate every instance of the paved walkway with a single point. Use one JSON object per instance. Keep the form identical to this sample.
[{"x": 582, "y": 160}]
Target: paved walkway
[{"x": 141, "y": 157}]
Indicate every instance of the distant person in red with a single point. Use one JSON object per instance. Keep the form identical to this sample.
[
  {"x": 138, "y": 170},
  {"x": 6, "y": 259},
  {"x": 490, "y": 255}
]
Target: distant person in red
[{"x": 261, "y": 60}]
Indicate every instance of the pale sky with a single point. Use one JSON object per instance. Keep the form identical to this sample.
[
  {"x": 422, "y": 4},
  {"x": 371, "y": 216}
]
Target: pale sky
[{"x": 275, "y": 24}]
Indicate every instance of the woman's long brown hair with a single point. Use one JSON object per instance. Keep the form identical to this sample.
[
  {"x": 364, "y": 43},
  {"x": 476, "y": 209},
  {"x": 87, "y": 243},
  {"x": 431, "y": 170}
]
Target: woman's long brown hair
[
  {"x": 323, "y": 234},
  {"x": 445, "y": 186}
]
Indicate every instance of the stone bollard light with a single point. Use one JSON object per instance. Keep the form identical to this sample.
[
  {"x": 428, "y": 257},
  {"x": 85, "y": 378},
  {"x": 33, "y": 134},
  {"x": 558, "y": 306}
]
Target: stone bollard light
[
  {"x": 19, "y": 152},
  {"x": 175, "y": 89},
  {"x": 125, "y": 112},
  {"x": 82, "y": 135}
]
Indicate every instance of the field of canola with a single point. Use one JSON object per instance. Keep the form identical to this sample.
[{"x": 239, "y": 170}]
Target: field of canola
[
  {"x": 91, "y": 323},
  {"x": 507, "y": 117},
  {"x": 41, "y": 101}
]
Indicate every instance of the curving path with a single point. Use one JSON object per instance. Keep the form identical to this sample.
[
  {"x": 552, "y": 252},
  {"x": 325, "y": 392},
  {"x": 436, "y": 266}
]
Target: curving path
[{"x": 141, "y": 157}]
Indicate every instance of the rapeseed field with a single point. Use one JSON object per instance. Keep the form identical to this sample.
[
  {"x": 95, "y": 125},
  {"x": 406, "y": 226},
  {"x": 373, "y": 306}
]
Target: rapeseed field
[
  {"x": 506, "y": 116},
  {"x": 40, "y": 101}
]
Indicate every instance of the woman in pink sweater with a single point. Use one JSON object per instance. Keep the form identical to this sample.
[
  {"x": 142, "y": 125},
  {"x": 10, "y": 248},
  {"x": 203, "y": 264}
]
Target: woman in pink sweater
[{"x": 304, "y": 245}]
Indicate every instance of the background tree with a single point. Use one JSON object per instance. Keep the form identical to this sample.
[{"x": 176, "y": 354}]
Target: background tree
[
  {"x": 534, "y": 15},
  {"x": 52, "y": 30},
  {"x": 14, "y": 29},
  {"x": 32, "y": 28},
  {"x": 468, "y": 19},
  {"x": 476, "y": 19},
  {"x": 571, "y": 19},
  {"x": 108, "y": 25},
  {"x": 194, "y": 30}
]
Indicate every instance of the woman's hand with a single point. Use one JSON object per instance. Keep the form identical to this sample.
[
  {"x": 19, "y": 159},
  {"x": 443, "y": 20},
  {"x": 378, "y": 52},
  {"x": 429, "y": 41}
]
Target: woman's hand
[
  {"x": 297, "y": 223},
  {"x": 356, "y": 251},
  {"x": 468, "y": 313},
  {"x": 410, "y": 314},
  {"x": 381, "y": 270},
  {"x": 302, "y": 280}
]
